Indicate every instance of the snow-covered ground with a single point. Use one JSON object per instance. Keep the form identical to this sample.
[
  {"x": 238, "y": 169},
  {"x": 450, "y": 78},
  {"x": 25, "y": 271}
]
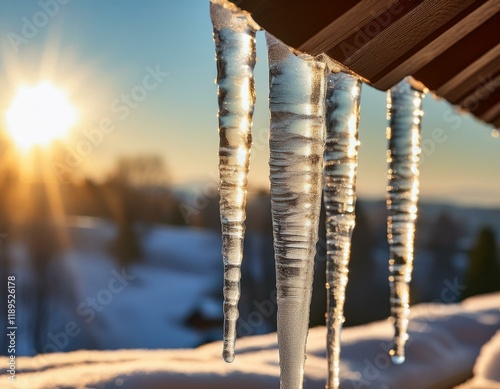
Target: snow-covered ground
[
  {"x": 178, "y": 278},
  {"x": 445, "y": 341},
  {"x": 147, "y": 305},
  {"x": 144, "y": 306},
  {"x": 487, "y": 367}
]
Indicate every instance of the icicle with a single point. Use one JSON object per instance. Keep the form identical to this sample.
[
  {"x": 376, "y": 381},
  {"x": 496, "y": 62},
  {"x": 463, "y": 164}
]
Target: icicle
[
  {"x": 297, "y": 136},
  {"x": 341, "y": 162},
  {"x": 404, "y": 104},
  {"x": 234, "y": 35}
]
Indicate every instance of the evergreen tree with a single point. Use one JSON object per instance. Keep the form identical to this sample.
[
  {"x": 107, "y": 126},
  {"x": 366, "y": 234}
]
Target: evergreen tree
[
  {"x": 126, "y": 246},
  {"x": 367, "y": 291},
  {"x": 483, "y": 275},
  {"x": 443, "y": 243}
]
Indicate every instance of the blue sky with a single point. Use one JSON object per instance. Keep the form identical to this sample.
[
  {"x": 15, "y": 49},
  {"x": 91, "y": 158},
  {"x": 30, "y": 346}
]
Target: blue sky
[{"x": 99, "y": 50}]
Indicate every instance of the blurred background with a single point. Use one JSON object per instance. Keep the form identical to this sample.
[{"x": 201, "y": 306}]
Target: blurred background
[{"x": 109, "y": 214}]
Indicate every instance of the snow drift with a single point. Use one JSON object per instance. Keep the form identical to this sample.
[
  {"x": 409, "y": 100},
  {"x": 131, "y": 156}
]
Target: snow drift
[{"x": 445, "y": 341}]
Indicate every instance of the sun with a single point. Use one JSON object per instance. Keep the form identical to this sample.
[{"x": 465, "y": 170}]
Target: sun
[{"x": 38, "y": 115}]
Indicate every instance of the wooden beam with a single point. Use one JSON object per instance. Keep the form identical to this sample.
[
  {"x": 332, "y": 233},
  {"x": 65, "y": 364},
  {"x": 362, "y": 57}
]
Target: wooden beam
[
  {"x": 470, "y": 72},
  {"x": 402, "y": 35},
  {"x": 451, "y": 46},
  {"x": 295, "y": 21},
  {"x": 469, "y": 84},
  {"x": 430, "y": 48},
  {"x": 460, "y": 56},
  {"x": 341, "y": 28},
  {"x": 492, "y": 115}
]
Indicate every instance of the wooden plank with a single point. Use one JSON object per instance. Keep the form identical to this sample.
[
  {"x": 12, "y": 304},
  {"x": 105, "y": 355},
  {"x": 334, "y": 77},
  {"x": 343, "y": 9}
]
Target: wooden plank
[
  {"x": 341, "y": 28},
  {"x": 481, "y": 97},
  {"x": 461, "y": 55},
  {"x": 492, "y": 115},
  {"x": 404, "y": 34},
  {"x": 363, "y": 35},
  {"x": 295, "y": 21},
  {"x": 448, "y": 35},
  {"x": 495, "y": 119},
  {"x": 468, "y": 85},
  {"x": 470, "y": 71},
  {"x": 486, "y": 104}
]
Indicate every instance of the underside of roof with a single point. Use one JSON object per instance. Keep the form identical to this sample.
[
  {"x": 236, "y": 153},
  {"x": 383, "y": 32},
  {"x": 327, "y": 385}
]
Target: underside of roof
[{"x": 451, "y": 46}]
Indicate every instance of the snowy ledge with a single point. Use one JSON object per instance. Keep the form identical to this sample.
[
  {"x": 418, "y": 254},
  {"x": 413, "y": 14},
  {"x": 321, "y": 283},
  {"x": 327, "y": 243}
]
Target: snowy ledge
[{"x": 445, "y": 341}]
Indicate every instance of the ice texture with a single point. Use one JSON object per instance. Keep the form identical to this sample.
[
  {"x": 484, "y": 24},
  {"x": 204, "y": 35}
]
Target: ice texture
[
  {"x": 297, "y": 139},
  {"x": 341, "y": 162},
  {"x": 234, "y": 36},
  {"x": 404, "y": 108},
  {"x": 301, "y": 98}
]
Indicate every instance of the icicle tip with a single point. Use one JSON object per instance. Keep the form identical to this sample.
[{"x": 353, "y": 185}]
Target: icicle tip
[
  {"x": 398, "y": 359},
  {"x": 228, "y": 355}
]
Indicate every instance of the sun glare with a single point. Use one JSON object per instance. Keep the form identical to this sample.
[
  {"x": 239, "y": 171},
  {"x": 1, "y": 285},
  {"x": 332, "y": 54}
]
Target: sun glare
[{"x": 38, "y": 115}]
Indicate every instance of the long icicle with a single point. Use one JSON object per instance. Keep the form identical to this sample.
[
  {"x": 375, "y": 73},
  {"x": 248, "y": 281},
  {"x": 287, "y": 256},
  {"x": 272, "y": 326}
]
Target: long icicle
[
  {"x": 234, "y": 35},
  {"x": 297, "y": 136},
  {"x": 341, "y": 162},
  {"x": 404, "y": 104}
]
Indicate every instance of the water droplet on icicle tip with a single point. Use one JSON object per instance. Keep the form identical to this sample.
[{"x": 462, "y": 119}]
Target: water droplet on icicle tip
[
  {"x": 404, "y": 148},
  {"x": 297, "y": 139},
  {"x": 234, "y": 35},
  {"x": 397, "y": 359},
  {"x": 341, "y": 161}
]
